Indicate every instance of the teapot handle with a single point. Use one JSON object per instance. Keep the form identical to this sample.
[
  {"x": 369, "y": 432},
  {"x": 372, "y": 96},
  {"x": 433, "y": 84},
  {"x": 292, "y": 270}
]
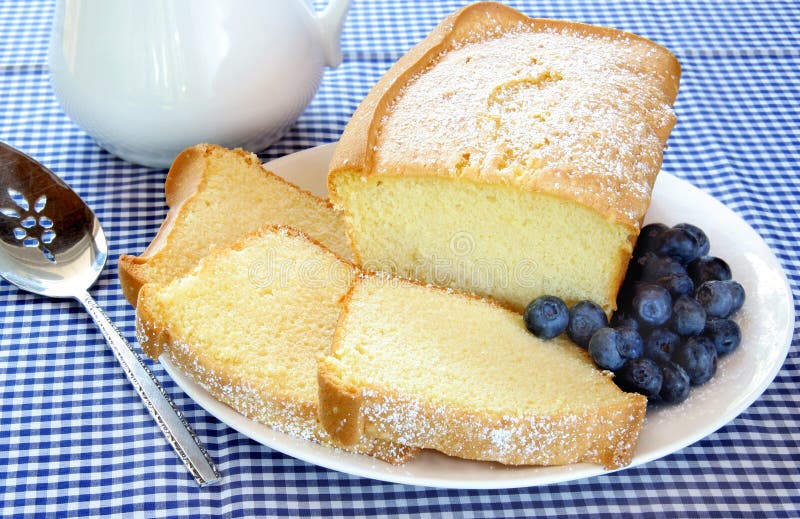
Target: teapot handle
[{"x": 330, "y": 22}]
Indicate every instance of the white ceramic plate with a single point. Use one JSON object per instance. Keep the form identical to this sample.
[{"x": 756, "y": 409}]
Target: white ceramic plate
[{"x": 766, "y": 320}]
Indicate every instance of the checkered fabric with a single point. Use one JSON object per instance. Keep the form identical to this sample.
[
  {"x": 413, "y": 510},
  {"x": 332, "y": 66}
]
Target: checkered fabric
[{"x": 76, "y": 441}]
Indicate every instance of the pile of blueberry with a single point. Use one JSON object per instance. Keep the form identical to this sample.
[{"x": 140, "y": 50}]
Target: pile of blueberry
[{"x": 673, "y": 319}]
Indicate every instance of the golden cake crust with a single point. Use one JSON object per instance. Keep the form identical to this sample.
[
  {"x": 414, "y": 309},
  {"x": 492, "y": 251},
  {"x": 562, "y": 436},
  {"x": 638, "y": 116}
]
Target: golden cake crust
[{"x": 566, "y": 150}]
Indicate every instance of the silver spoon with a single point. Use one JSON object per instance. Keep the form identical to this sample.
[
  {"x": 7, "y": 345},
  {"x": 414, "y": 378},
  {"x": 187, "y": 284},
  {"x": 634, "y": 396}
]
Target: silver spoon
[{"x": 52, "y": 244}]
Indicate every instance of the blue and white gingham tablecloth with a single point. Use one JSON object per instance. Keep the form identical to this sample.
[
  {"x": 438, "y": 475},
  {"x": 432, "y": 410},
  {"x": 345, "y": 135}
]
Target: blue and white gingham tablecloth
[{"x": 76, "y": 441}]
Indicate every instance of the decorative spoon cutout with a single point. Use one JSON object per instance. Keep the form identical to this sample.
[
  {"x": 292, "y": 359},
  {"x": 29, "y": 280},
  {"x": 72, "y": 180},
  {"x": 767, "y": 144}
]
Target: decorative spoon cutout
[{"x": 52, "y": 244}]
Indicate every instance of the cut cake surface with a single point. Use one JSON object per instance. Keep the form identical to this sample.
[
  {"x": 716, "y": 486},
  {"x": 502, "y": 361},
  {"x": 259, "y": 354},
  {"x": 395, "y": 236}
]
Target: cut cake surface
[
  {"x": 248, "y": 324},
  {"x": 432, "y": 368},
  {"x": 216, "y": 196}
]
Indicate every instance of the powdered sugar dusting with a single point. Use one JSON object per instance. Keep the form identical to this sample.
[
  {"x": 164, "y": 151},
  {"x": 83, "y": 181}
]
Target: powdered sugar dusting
[
  {"x": 606, "y": 438},
  {"x": 554, "y": 111}
]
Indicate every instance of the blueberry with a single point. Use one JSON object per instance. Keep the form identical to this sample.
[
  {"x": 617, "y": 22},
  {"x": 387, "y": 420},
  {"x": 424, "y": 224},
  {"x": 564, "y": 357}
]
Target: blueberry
[
  {"x": 708, "y": 268},
  {"x": 657, "y": 267},
  {"x": 703, "y": 245},
  {"x": 679, "y": 285},
  {"x": 648, "y": 238},
  {"x": 652, "y": 304},
  {"x": 688, "y": 317},
  {"x": 675, "y": 385},
  {"x": 724, "y": 333},
  {"x": 678, "y": 243},
  {"x": 716, "y": 297},
  {"x": 660, "y": 344},
  {"x": 604, "y": 348},
  {"x": 585, "y": 318},
  {"x": 698, "y": 356},
  {"x": 737, "y": 292},
  {"x": 632, "y": 345},
  {"x": 546, "y": 317},
  {"x": 641, "y": 376},
  {"x": 622, "y": 318}
]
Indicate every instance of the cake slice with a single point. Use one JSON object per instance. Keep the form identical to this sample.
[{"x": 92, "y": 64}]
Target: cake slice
[
  {"x": 248, "y": 324},
  {"x": 432, "y": 368},
  {"x": 216, "y": 196},
  {"x": 508, "y": 156}
]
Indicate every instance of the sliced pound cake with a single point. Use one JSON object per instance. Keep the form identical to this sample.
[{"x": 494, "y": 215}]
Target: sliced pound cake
[
  {"x": 508, "y": 156},
  {"x": 248, "y": 324},
  {"x": 432, "y": 368},
  {"x": 216, "y": 196}
]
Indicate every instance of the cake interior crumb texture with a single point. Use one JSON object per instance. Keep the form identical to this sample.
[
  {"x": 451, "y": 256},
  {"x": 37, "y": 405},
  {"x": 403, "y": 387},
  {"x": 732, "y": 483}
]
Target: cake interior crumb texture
[
  {"x": 463, "y": 352},
  {"x": 235, "y": 196},
  {"x": 249, "y": 323},
  {"x": 488, "y": 238},
  {"x": 263, "y": 312},
  {"x": 436, "y": 369}
]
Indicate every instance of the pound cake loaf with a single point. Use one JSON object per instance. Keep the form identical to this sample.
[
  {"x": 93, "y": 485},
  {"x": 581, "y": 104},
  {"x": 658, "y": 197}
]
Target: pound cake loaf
[
  {"x": 248, "y": 324},
  {"x": 432, "y": 368},
  {"x": 508, "y": 156},
  {"x": 216, "y": 196}
]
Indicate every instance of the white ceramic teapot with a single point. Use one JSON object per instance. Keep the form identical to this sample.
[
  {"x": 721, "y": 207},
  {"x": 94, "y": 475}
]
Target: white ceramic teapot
[{"x": 148, "y": 78}]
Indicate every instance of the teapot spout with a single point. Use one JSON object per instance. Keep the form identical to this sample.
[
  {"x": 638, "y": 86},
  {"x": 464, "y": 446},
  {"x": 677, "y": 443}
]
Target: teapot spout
[{"x": 330, "y": 22}]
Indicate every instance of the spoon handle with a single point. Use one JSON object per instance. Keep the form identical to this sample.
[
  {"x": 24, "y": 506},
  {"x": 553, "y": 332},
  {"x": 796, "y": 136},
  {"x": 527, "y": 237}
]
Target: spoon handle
[{"x": 172, "y": 422}]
